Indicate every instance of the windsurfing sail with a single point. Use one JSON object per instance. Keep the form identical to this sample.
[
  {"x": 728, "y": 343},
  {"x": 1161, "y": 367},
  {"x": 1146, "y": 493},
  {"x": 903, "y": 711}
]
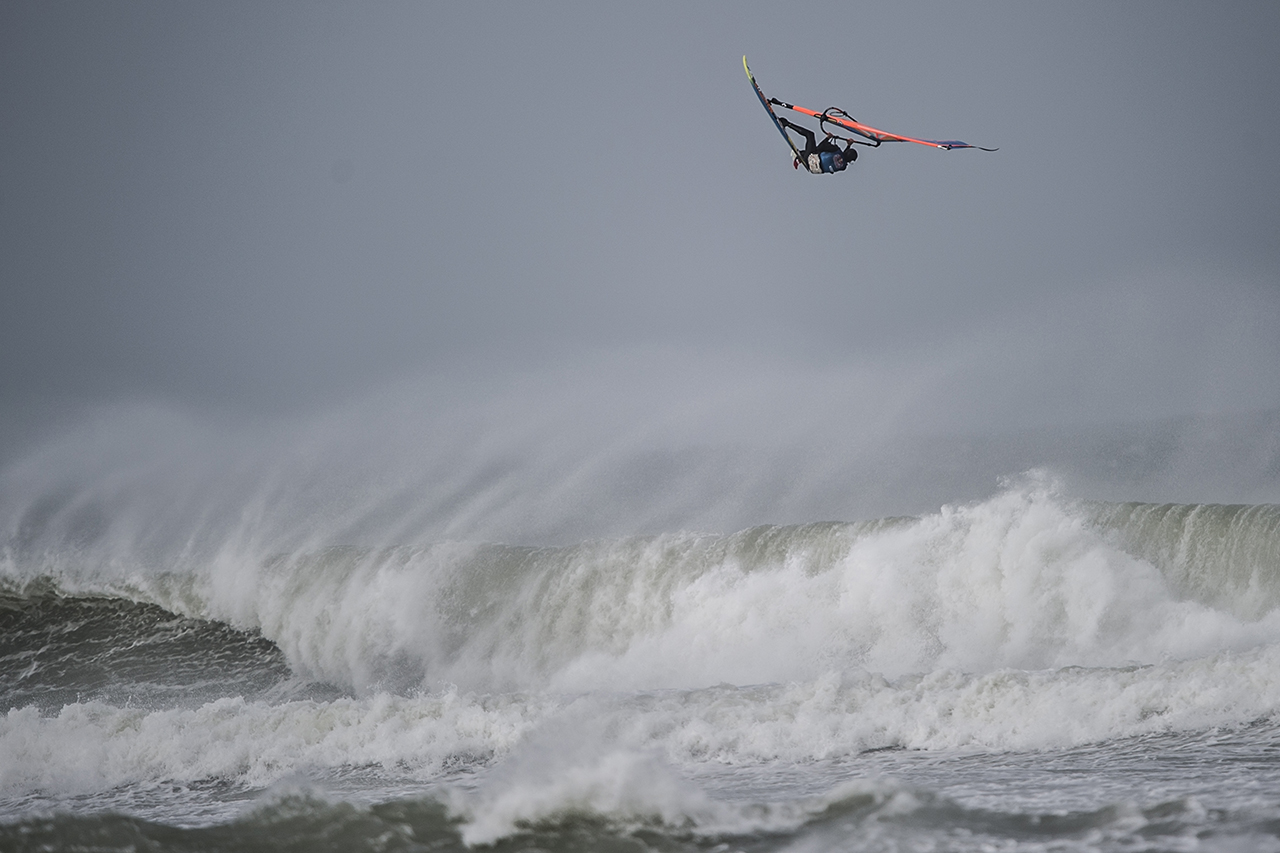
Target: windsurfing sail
[{"x": 841, "y": 119}]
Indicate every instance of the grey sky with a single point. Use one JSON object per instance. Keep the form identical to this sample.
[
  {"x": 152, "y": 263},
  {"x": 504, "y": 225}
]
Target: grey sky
[{"x": 272, "y": 207}]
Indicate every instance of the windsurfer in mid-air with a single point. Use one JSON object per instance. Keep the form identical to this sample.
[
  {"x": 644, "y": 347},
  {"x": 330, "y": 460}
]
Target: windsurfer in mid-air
[{"x": 824, "y": 156}]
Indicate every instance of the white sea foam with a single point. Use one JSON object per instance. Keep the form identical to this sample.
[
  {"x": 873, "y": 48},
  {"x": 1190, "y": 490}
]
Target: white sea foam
[
  {"x": 93, "y": 746},
  {"x": 550, "y": 783},
  {"x": 626, "y": 754},
  {"x": 545, "y": 785},
  {"x": 838, "y": 715}
]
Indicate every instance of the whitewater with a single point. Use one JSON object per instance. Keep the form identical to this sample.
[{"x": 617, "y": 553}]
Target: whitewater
[{"x": 1029, "y": 670}]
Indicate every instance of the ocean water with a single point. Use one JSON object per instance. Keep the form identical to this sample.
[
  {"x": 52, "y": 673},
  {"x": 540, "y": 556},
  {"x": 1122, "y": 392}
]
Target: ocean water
[{"x": 1028, "y": 671}]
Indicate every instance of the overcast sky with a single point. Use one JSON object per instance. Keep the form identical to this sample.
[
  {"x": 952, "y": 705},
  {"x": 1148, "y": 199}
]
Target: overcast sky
[{"x": 265, "y": 207}]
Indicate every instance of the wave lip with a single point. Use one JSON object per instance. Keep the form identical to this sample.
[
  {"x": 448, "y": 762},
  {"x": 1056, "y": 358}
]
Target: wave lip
[{"x": 1223, "y": 555}]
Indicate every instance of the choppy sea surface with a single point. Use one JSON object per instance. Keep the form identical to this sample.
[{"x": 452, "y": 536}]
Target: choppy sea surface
[{"x": 1028, "y": 672}]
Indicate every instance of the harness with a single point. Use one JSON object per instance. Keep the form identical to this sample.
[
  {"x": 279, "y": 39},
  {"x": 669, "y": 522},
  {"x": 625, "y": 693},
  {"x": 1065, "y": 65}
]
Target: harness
[{"x": 820, "y": 162}]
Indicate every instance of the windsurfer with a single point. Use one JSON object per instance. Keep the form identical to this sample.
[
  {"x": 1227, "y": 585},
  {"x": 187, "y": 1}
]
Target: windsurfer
[{"x": 825, "y": 156}]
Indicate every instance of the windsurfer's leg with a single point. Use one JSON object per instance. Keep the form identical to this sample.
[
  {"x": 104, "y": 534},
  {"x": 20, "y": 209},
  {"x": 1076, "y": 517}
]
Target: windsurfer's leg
[{"x": 810, "y": 141}]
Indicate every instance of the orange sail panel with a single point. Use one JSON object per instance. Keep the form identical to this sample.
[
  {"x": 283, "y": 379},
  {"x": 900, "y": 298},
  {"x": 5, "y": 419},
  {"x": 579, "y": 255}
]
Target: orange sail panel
[{"x": 877, "y": 136}]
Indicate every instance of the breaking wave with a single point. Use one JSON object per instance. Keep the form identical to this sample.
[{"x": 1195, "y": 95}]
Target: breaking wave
[
  {"x": 1026, "y": 621},
  {"x": 1026, "y": 580}
]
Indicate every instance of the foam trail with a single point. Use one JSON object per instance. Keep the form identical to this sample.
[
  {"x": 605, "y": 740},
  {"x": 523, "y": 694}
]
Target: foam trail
[
  {"x": 94, "y": 746},
  {"x": 615, "y": 752}
]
